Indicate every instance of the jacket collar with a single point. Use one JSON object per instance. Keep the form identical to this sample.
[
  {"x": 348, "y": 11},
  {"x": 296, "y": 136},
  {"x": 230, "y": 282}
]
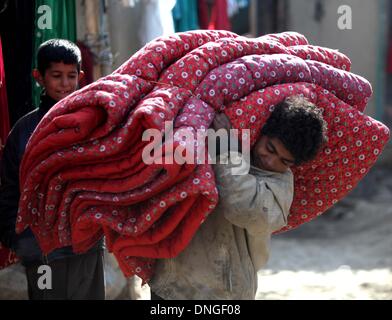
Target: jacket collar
[{"x": 46, "y": 103}]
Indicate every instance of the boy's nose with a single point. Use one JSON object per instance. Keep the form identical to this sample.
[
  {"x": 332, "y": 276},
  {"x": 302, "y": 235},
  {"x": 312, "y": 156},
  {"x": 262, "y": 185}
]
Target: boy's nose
[
  {"x": 64, "y": 81},
  {"x": 271, "y": 161}
]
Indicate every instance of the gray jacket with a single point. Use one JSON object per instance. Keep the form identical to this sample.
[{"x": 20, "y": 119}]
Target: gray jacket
[{"x": 224, "y": 256}]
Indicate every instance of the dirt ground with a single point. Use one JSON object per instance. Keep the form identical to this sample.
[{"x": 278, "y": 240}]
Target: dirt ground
[{"x": 344, "y": 254}]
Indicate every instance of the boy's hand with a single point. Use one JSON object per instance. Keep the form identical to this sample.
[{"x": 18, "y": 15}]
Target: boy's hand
[{"x": 221, "y": 121}]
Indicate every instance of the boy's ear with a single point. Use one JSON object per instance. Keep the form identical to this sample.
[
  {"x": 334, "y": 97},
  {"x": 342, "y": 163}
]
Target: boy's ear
[
  {"x": 81, "y": 75},
  {"x": 38, "y": 77}
]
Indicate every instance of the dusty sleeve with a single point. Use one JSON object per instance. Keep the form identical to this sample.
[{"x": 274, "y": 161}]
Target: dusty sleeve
[{"x": 257, "y": 201}]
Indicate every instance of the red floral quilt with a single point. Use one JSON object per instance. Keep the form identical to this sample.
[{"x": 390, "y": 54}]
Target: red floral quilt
[{"x": 83, "y": 174}]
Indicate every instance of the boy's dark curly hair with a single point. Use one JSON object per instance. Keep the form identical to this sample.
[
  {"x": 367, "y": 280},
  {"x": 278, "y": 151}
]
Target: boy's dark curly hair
[{"x": 299, "y": 125}]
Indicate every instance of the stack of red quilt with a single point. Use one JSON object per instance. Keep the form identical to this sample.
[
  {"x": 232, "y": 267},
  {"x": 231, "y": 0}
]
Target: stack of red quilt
[{"x": 83, "y": 174}]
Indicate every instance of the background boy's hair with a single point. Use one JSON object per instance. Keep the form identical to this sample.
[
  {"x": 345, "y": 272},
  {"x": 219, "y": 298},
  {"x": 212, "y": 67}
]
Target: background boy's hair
[
  {"x": 299, "y": 125},
  {"x": 58, "y": 50}
]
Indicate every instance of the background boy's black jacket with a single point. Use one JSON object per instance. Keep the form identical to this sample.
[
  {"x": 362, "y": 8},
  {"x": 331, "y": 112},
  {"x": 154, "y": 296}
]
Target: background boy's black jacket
[{"x": 25, "y": 244}]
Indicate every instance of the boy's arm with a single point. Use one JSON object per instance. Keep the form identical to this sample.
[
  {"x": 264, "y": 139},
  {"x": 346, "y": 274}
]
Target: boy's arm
[
  {"x": 258, "y": 203},
  {"x": 9, "y": 190}
]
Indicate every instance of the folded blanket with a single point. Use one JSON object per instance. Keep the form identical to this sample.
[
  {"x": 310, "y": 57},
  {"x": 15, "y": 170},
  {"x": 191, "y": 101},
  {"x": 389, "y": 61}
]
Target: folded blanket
[{"x": 84, "y": 173}]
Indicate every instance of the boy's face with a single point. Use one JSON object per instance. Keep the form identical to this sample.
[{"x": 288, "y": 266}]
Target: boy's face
[
  {"x": 59, "y": 80},
  {"x": 270, "y": 154}
]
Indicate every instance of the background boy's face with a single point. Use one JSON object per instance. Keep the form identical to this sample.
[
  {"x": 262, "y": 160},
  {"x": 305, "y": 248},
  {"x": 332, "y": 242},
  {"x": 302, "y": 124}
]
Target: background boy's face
[
  {"x": 59, "y": 80},
  {"x": 271, "y": 154}
]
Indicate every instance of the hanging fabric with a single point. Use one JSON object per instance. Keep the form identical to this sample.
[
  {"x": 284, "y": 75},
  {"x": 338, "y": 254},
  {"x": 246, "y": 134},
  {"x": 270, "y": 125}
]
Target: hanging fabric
[
  {"x": 91, "y": 12},
  {"x": 4, "y": 119},
  {"x": 157, "y": 19},
  {"x": 219, "y": 18},
  {"x": 62, "y": 24},
  {"x": 389, "y": 57},
  {"x": 204, "y": 13},
  {"x": 105, "y": 56},
  {"x": 87, "y": 64},
  {"x": 232, "y": 7},
  {"x": 185, "y": 15},
  {"x": 16, "y": 30},
  {"x": 7, "y": 257}
]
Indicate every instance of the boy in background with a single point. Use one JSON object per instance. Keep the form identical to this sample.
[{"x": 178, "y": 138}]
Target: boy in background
[{"x": 73, "y": 276}]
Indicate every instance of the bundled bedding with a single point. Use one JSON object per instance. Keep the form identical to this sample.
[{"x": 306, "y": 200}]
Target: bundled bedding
[{"x": 84, "y": 174}]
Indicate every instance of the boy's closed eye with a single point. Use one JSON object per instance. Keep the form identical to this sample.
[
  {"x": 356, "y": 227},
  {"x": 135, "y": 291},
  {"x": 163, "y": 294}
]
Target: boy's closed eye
[
  {"x": 271, "y": 148},
  {"x": 270, "y": 154}
]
